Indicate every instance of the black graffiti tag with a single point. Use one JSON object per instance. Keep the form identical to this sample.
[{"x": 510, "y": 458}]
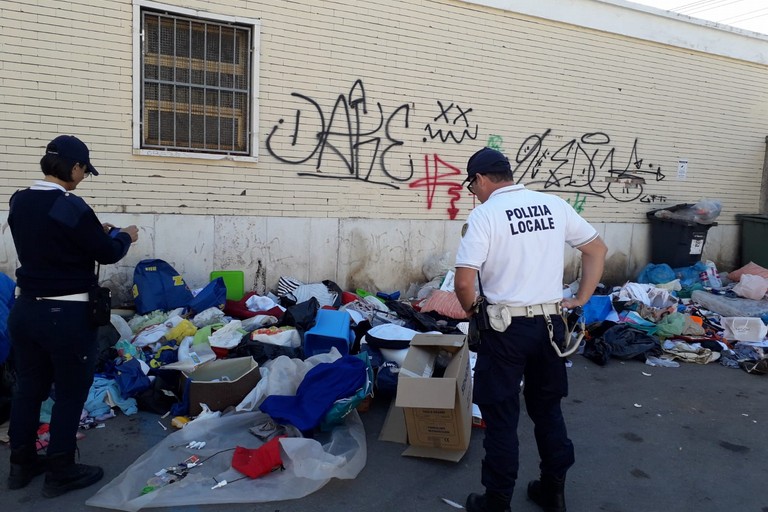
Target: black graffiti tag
[
  {"x": 345, "y": 137},
  {"x": 444, "y": 135},
  {"x": 587, "y": 164}
]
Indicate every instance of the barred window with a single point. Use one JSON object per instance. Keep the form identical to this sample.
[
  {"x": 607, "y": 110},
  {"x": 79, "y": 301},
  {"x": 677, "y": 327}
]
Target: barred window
[{"x": 196, "y": 88}]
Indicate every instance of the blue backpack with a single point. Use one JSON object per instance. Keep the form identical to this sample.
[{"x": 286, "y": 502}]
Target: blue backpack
[{"x": 157, "y": 285}]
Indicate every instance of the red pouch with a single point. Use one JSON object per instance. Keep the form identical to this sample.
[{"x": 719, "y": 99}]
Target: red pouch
[{"x": 259, "y": 461}]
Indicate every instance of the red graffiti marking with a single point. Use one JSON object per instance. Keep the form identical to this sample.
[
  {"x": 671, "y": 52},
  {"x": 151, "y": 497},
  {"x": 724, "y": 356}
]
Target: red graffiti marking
[{"x": 433, "y": 180}]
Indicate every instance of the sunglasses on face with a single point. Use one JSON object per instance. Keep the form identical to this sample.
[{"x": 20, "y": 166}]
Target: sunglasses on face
[{"x": 471, "y": 185}]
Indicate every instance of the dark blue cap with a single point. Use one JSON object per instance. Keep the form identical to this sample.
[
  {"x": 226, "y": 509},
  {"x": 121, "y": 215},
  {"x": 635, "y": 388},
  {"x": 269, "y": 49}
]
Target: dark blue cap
[
  {"x": 487, "y": 161},
  {"x": 73, "y": 149}
]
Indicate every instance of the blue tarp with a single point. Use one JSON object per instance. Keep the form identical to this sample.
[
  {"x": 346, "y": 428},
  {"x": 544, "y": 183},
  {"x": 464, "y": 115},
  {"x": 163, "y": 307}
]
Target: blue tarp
[{"x": 7, "y": 287}]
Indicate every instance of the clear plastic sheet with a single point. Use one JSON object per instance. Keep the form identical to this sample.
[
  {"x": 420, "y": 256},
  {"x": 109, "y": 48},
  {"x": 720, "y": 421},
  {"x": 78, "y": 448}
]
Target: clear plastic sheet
[{"x": 309, "y": 465}]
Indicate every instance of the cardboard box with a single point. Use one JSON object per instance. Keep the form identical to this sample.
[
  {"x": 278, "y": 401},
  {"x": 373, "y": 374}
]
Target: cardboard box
[
  {"x": 432, "y": 414},
  {"x": 221, "y": 383}
]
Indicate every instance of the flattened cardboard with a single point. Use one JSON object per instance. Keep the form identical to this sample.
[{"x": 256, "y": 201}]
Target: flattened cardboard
[
  {"x": 240, "y": 375},
  {"x": 433, "y": 415}
]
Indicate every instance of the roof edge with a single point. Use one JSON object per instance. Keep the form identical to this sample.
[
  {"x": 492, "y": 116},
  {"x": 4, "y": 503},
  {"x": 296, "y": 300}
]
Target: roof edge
[{"x": 644, "y": 22}]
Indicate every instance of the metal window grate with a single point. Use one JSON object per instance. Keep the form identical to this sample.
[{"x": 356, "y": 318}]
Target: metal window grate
[{"x": 195, "y": 85}]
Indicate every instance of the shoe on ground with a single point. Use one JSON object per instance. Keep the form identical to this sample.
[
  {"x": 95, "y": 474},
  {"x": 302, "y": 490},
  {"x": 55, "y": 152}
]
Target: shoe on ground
[
  {"x": 64, "y": 475},
  {"x": 548, "y": 493},
  {"x": 26, "y": 464},
  {"x": 488, "y": 503}
]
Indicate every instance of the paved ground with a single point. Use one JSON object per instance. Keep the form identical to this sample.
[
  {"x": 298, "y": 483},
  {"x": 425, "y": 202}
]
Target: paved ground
[{"x": 693, "y": 438}]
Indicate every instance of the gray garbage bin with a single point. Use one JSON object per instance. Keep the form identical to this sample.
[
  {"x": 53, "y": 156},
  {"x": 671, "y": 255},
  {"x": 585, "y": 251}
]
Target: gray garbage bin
[{"x": 676, "y": 242}]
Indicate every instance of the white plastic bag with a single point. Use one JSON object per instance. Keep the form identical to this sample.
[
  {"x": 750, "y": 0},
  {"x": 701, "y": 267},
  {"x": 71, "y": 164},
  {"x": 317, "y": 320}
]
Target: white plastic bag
[
  {"x": 228, "y": 336},
  {"x": 744, "y": 328},
  {"x": 751, "y": 287},
  {"x": 208, "y": 317},
  {"x": 121, "y": 326},
  {"x": 280, "y": 336}
]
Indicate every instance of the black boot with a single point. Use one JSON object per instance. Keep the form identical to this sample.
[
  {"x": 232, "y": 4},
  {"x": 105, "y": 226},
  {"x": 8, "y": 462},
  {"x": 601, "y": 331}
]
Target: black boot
[
  {"x": 26, "y": 464},
  {"x": 64, "y": 475},
  {"x": 488, "y": 502},
  {"x": 548, "y": 492}
]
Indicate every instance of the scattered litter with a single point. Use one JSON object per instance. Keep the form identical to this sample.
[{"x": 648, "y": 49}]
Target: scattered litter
[
  {"x": 745, "y": 415},
  {"x": 164, "y": 427},
  {"x": 657, "y": 361},
  {"x": 179, "y": 421},
  {"x": 220, "y": 484},
  {"x": 647, "y": 374},
  {"x": 638, "y": 406},
  {"x": 452, "y": 503}
]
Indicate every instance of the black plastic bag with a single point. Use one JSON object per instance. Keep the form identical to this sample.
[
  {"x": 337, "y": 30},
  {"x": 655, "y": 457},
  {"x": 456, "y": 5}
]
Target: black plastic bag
[{"x": 301, "y": 316}]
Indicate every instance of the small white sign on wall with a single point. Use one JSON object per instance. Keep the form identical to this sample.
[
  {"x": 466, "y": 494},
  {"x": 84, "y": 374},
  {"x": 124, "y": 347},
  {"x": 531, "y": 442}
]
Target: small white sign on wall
[{"x": 682, "y": 169}]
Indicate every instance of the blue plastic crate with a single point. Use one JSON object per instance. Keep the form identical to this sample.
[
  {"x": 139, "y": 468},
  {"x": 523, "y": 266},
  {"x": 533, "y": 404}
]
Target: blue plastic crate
[{"x": 332, "y": 329}]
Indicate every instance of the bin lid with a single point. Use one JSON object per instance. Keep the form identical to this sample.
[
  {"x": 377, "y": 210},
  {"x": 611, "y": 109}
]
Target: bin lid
[
  {"x": 759, "y": 217},
  {"x": 682, "y": 222}
]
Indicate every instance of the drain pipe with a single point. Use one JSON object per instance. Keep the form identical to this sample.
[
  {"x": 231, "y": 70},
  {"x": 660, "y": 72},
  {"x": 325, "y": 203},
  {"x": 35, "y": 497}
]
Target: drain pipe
[{"x": 764, "y": 183}]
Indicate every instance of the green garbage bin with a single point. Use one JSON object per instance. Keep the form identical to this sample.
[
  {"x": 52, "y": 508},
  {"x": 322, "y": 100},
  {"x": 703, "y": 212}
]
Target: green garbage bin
[{"x": 754, "y": 239}]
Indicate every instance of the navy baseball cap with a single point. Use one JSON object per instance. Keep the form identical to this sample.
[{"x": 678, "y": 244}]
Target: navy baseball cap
[
  {"x": 487, "y": 161},
  {"x": 73, "y": 149}
]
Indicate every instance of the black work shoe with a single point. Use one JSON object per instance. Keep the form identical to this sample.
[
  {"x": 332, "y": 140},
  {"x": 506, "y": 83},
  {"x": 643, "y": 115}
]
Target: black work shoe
[
  {"x": 21, "y": 474},
  {"x": 26, "y": 464},
  {"x": 548, "y": 492},
  {"x": 64, "y": 475},
  {"x": 488, "y": 502}
]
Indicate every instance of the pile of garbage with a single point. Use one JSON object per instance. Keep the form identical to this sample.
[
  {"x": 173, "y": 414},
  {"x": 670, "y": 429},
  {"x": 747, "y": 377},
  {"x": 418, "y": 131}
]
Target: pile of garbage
[{"x": 689, "y": 314}]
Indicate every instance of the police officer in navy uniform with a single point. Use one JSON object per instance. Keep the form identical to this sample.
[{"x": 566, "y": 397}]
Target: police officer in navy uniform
[
  {"x": 514, "y": 243},
  {"x": 58, "y": 240}
]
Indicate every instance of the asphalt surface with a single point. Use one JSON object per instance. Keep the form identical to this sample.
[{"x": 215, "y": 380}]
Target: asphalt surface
[{"x": 693, "y": 438}]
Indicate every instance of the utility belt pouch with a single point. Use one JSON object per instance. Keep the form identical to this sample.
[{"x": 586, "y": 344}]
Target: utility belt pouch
[
  {"x": 478, "y": 322},
  {"x": 481, "y": 314},
  {"x": 100, "y": 305}
]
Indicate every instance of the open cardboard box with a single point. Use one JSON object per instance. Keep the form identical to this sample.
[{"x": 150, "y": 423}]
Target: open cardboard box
[
  {"x": 433, "y": 415},
  {"x": 221, "y": 383}
]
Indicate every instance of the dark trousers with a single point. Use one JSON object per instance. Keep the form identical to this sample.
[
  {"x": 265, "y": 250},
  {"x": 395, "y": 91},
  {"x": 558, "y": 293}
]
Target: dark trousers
[
  {"x": 523, "y": 352},
  {"x": 53, "y": 343}
]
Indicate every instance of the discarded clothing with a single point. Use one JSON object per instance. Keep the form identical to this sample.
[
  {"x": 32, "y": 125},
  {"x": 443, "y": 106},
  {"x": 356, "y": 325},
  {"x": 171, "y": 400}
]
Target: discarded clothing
[
  {"x": 627, "y": 342},
  {"x": 691, "y": 353},
  {"x": 321, "y": 387},
  {"x": 102, "y": 393}
]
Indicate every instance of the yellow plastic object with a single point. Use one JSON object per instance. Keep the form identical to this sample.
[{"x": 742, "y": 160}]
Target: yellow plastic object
[
  {"x": 179, "y": 422},
  {"x": 234, "y": 280}
]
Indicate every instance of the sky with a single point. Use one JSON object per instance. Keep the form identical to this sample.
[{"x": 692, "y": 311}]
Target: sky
[{"x": 745, "y": 14}]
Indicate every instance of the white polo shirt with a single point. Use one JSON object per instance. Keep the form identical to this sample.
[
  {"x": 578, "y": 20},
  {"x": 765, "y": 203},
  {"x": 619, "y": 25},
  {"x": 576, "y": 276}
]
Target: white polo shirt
[{"x": 516, "y": 240}]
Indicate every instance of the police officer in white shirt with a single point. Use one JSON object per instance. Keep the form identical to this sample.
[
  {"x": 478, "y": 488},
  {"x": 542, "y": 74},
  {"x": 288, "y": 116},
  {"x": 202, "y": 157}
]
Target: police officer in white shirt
[{"x": 514, "y": 242}]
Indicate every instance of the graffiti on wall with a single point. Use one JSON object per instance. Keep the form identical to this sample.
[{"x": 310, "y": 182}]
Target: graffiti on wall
[
  {"x": 457, "y": 119},
  {"x": 362, "y": 140},
  {"x": 587, "y": 165},
  {"x": 371, "y": 143},
  {"x": 439, "y": 173}
]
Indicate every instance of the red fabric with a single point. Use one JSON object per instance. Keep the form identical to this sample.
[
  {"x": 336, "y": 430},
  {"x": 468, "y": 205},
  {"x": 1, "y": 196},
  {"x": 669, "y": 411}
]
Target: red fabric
[
  {"x": 347, "y": 297},
  {"x": 238, "y": 309},
  {"x": 221, "y": 353},
  {"x": 445, "y": 303},
  {"x": 260, "y": 461}
]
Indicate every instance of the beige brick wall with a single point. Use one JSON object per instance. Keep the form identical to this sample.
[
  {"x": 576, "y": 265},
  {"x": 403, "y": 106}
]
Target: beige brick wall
[{"x": 66, "y": 67}]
